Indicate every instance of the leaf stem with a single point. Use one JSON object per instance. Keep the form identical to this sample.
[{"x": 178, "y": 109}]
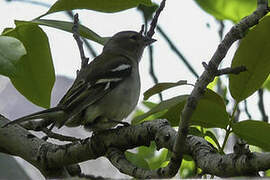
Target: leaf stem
[{"x": 228, "y": 130}]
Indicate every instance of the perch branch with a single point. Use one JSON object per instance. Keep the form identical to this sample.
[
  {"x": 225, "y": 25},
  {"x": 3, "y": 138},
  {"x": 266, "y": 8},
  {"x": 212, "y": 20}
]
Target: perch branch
[{"x": 61, "y": 160}]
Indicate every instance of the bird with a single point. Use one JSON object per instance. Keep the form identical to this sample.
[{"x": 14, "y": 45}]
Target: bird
[{"x": 105, "y": 91}]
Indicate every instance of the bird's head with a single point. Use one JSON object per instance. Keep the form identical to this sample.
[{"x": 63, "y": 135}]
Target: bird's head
[{"x": 129, "y": 43}]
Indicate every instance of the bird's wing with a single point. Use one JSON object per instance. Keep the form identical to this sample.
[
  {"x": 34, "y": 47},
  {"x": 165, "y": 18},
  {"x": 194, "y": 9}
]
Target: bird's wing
[{"x": 103, "y": 74}]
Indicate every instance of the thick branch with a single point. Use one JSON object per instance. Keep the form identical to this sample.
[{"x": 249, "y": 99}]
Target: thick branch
[
  {"x": 51, "y": 159},
  {"x": 19, "y": 142}
]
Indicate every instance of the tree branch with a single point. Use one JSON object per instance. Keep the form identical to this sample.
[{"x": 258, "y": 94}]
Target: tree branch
[
  {"x": 246, "y": 109},
  {"x": 19, "y": 142},
  {"x": 236, "y": 32},
  {"x": 151, "y": 59},
  {"x": 224, "y": 71},
  {"x": 61, "y": 160},
  {"x": 76, "y": 35},
  {"x": 153, "y": 24},
  {"x": 87, "y": 44},
  {"x": 151, "y": 70}
]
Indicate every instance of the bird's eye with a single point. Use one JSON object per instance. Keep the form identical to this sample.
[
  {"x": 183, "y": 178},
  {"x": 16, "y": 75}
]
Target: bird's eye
[{"x": 134, "y": 37}]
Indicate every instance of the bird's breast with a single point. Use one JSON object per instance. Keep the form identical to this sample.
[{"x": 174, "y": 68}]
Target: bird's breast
[{"x": 122, "y": 100}]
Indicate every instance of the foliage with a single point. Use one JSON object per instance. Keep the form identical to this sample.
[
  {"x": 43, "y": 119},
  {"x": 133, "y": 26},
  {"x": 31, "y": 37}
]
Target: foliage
[
  {"x": 34, "y": 72},
  {"x": 233, "y": 10},
  {"x": 251, "y": 53}
]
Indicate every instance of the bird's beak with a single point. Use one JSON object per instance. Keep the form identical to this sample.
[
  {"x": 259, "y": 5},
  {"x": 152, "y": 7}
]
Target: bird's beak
[{"x": 148, "y": 41}]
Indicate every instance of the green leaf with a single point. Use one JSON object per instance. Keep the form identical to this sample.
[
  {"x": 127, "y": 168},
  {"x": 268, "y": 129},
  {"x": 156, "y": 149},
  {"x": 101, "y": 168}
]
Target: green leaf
[
  {"x": 173, "y": 114},
  {"x": 139, "y": 112},
  {"x": 148, "y": 118},
  {"x": 6, "y": 30},
  {"x": 136, "y": 160},
  {"x": 267, "y": 173},
  {"x": 148, "y": 11},
  {"x": 195, "y": 131},
  {"x": 67, "y": 26},
  {"x": 187, "y": 169},
  {"x": 213, "y": 83},
  {"x": 211, "y": 135},
  {"x": 35, "y": 72},
  {"x": 233, "y": 10},
  {"x": 210, "y": 112},
  {"x": 156, "y": 161},
  {"x": 253, "y": 53},
  {"x": 164, "y": 105},
  {"x": 208, "y": 135},
  {"x": 147, "y": 152},
  {"x": 11, "y": 50},
  {"x": 161, "y": 87},
  {"x": 149, "y": 104},
  {"x": 254, "y": 132},
  {"x": 267, "y": 83},
  {"x": 107, "y": 6}
]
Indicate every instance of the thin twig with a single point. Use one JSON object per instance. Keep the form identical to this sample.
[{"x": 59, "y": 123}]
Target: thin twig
[
  {"x": 221, "y": 29},
  {"x": 177, "y": 52},
  {"x": 246, "y": 109},
  {"x": 235, "y": 70},
  {"x": 153, "y": 24},
  {"x": 76, "y": 35},
  {"x": 60, "y": 137},
  {"x": 261, "y": 105},
  {"x": 151, "y": 60},
  {"x": 220, "y": 89},
  {"x": 87, "y": 44},
  {"x": 152, "y": 72}
]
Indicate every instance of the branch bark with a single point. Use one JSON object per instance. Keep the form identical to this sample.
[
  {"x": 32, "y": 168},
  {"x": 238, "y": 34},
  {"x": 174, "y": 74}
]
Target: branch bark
[{"x": 55, "y": 161}]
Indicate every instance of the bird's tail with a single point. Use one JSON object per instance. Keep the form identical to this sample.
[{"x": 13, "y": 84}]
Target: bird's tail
[{"x": 47, "y": 113}]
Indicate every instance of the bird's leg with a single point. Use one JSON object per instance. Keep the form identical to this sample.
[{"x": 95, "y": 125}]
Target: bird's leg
[{"x": 50, "y": 134}]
